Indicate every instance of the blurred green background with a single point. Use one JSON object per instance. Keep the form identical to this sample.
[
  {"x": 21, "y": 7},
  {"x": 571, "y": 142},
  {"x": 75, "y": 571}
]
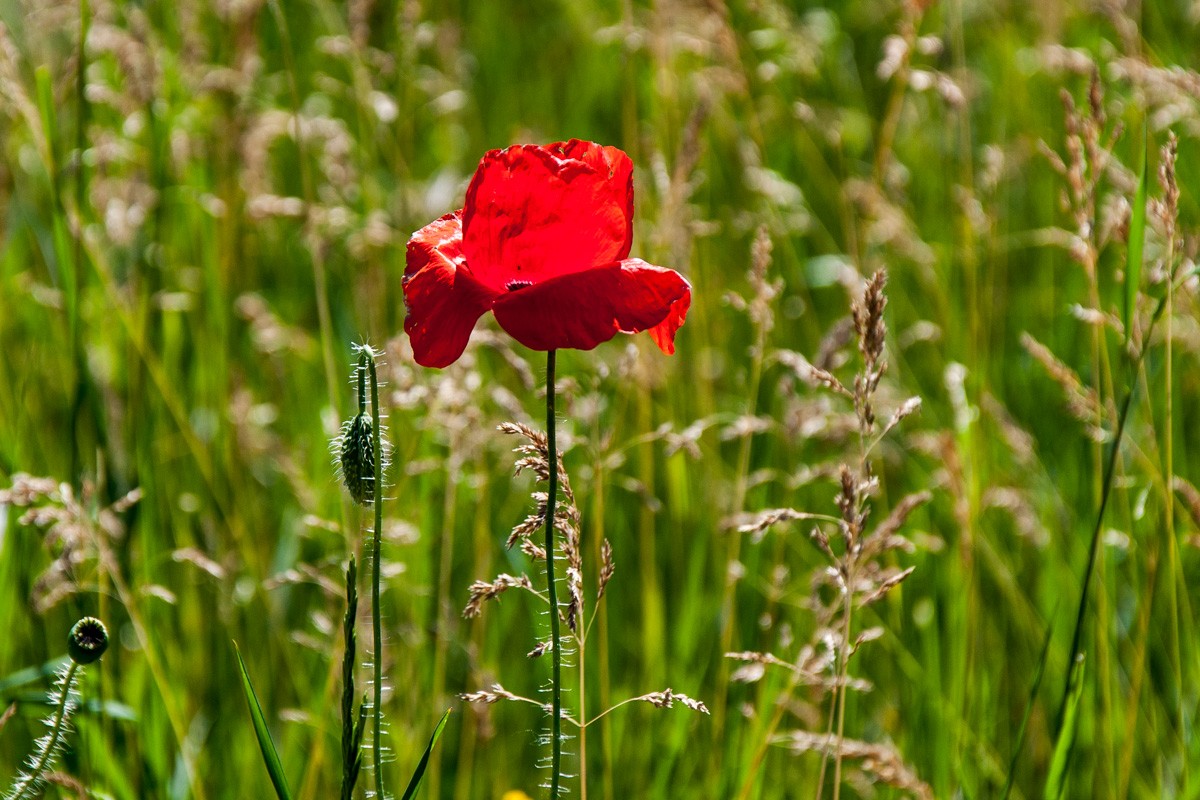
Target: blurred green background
[{"x": 182, "y": 277}]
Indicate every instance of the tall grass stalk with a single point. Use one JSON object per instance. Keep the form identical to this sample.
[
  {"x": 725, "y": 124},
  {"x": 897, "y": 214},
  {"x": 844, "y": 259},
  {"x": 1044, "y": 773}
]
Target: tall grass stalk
[
  {"x": 1106, "y": 491},
  {"x": 324, "y": 319},
  {"x": 441, "y": 609}
]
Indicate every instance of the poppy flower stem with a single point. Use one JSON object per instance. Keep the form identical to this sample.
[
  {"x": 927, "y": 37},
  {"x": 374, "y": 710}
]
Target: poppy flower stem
[
  {"x": 376, "y": 625},
  {"x": 556, "y": 689}
]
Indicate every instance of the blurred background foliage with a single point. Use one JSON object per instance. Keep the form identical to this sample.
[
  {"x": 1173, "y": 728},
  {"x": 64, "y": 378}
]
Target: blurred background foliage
[{"x": 206, "y": 204}]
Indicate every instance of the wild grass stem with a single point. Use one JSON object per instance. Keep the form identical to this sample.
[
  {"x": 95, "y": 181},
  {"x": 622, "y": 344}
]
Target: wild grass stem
[
  {"x": 1106, "y": 491},
  {"x": 441, "y": 621},
  {"x": 734, "y": 548}
]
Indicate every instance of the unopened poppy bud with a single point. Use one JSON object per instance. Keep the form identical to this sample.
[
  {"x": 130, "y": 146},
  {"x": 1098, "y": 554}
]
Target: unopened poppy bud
[
  {"x": 88, "y": 641},
  {"x": 358, "y": 459}
]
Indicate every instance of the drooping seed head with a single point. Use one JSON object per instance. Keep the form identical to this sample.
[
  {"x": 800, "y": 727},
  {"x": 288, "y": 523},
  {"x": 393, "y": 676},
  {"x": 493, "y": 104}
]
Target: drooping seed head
[{"x": 88, "y": 641}]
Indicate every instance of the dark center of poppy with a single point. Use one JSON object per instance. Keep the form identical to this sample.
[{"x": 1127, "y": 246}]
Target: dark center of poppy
[{"x": 513, "y": 285}]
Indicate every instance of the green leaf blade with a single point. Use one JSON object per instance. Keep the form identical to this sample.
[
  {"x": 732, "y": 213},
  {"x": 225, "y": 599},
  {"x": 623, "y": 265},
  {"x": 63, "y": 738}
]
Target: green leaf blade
[
  {"x": 270, "y": 756},
  {"x": 415, "y": 782},
  {"x": 1064, "y": 745}
]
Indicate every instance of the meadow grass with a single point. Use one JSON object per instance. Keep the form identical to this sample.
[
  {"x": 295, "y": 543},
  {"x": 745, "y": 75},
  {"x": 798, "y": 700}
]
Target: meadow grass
[{"x": 197, "y": 231}]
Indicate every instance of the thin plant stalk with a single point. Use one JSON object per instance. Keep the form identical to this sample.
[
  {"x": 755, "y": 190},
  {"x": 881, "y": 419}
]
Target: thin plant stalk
[
  {"x": 581, "y": 648},
  {"x": 28, "y": 786},
  {"x": 469, "y": 735},
  {"x": 376, "y": 625},
  {"x": 600, "y": 616},
  {"x": 841, "y": 694},
  {"x": 734, "y": 549},
  {"x": 352, "y": 720},
  {"x": 1106, "y": 490},
  {"x": 552, "y": 591},
  {"x": 1169, "y": 468},
  {"x": 441, "y": 608}
]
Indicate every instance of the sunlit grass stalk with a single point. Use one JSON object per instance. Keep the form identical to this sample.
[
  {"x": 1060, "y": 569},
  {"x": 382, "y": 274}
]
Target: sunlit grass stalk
[
  {"x": 470, "y": 732},
  {"x": 600, "y": 617},
  {"x": 551, "y": 590},
  {"x": 734, "y": 548},
  {"x": 843, "y": 674},
  {"x": 1110, "y": 469},
  {"x": 1171, "y": 190},
  {"x": 441, "y": 621}
]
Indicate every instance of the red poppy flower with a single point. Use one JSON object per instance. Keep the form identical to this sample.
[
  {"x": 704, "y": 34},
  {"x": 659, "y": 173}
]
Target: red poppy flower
[{"x": 543, "y": 243}]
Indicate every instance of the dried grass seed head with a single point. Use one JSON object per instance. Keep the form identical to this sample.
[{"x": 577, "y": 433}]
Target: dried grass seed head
[{"x": 868, "y": 318}]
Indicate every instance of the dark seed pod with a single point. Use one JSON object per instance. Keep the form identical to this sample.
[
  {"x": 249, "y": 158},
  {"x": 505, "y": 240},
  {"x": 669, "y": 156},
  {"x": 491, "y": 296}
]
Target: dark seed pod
[
  {"x": 88, "y": 640},
  {"x": 358, "y": 460}
]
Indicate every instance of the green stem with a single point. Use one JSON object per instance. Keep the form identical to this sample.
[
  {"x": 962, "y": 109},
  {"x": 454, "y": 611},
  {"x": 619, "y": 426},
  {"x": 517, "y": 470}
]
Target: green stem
[
  {"x": 552, "y": 592},
  {"x": 25, "y": 788},
  {"x": 351, "y": 758},
  {"x": 376, "y": 625},
  {"x": 1106, "y": 489},
  {"x": 841, "y": 690}
]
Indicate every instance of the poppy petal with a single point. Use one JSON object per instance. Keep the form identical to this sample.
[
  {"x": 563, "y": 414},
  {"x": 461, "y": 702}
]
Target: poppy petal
[
  {"x": 663, "y": 333},
  {"x": 535, "y": 212},
  {"x": 442, "y": 298},
  {"x": 440, "y": 239},
  {"x": 583, "y": 309}
]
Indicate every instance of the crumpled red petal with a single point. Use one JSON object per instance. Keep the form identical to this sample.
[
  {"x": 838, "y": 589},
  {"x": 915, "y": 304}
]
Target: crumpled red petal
[
  {"x": 583, "y": 309},
  {"x": 443, "y": 300},
  {"x": 535, "y": 212}
]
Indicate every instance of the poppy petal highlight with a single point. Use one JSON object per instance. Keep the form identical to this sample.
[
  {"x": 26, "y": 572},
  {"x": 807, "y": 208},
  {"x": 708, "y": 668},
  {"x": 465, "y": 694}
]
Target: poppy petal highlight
[
  {"x": 536, "y": 212},
  {"x": 586, "y": 308}
]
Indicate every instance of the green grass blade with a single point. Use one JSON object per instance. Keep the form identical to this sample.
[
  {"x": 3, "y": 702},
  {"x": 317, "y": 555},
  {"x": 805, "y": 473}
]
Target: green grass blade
[
  {"x": 1033, "y": 690},
  {"x": 1137, "y": 244},
  {"x": 270, "y": 757},
  {"x": 1060, "y": 762},
  {"x": 419, "y": 773}
]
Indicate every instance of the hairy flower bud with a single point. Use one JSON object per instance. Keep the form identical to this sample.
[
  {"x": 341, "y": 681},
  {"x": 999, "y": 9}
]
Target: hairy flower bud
[
  {"x": 358, "y": 459},
  {"x": 87, "y": 641}
]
